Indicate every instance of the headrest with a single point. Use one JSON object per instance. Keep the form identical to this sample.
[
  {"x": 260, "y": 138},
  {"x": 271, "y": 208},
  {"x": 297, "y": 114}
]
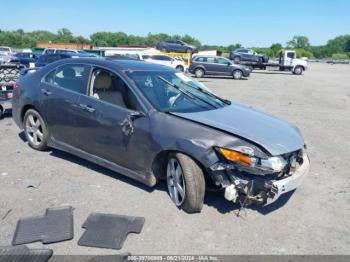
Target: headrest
[
  {"x": 102, "y": 81},
  {"x": 68, "y": 72}
]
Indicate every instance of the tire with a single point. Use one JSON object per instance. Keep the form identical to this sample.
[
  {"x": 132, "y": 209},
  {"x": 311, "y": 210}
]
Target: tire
[
  {"x": 199, "y": 73},
  {"x": 163, "y": 50},
  {"x": 237, "y": 59},
  {"x": 1, "y": 111},
  {"x": 184, "y": 175},
  {"x": 237, "y": 74},
  {"x": 261, "y": 60},
  {"x": 35, "y": 130},
  {"x": 180, "y": 68},
  {"x": 189, "y": 50},
  {"x": 298, "y": 70}
]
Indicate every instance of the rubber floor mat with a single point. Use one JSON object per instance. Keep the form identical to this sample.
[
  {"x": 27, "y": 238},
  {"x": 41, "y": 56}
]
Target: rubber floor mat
[
  {"x": 55, "y": 226},
  {"x": 108, "y": 230},
  {"x": 23, "y": 253}
]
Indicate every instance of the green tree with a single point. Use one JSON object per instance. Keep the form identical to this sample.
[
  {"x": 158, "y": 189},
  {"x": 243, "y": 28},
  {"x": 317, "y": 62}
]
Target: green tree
[
  {"x": 299, "y": 41},
  {"x": 276, "y": 48}
]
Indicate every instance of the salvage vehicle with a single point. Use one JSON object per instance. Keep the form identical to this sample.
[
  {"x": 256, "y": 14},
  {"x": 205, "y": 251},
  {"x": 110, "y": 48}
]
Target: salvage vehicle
[
  {"x": 217, "y": 65},
  {"x": 176, "y": 46},
  {"x": 151, "y": 122},
  {"x": 244, "y": 54}
]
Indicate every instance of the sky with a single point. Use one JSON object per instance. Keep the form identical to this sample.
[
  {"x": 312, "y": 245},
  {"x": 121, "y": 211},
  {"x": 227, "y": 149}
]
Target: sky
[{"x": 218, "y": 22}]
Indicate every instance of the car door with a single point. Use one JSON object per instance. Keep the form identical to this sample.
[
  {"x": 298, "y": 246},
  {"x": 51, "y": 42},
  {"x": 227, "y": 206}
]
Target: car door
[
  {"x": 111, "y": 125},
  {"x": 210, "y": 65},
  {"x": 223, "y": 66},
  {"x": 60, "y": 92}
]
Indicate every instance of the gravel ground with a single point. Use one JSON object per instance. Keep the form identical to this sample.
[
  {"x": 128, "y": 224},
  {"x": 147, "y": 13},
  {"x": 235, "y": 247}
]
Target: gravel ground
[{"x": 313, "y": 220}]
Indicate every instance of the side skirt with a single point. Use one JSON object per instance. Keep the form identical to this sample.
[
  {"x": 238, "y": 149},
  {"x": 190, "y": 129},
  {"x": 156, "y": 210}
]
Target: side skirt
[{"x": 148, "y": 180}]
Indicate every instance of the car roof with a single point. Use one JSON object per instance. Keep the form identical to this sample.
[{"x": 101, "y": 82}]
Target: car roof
[{"x": 120, "y": 65}]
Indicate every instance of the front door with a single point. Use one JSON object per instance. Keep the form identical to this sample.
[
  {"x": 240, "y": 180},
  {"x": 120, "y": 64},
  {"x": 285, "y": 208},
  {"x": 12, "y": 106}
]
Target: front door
[
  {"x": 60, "y": 91},
  {"x": 223, "y": 66},
  {"x": 109, "y": 124}
]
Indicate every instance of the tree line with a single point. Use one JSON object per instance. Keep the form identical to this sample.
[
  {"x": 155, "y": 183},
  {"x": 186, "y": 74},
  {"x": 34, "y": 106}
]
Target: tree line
[{"x": 337, "y": 48}]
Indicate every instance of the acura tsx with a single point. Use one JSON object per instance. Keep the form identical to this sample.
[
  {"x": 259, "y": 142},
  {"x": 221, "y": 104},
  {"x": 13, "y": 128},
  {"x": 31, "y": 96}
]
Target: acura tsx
[{"x": 151, "y": 122}]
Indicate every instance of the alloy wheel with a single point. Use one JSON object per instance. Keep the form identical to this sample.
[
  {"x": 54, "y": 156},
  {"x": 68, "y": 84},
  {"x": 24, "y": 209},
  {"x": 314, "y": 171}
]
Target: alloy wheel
[
  {"x": 34, "y": 129},
  {"x": 176, "y": 182}
]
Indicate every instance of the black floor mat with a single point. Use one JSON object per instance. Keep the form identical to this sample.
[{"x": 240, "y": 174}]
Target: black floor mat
[
  {"x": 23, "y": 253},
  {"x": 55, "y": 226},
  {"x": 109, "y": 231}
]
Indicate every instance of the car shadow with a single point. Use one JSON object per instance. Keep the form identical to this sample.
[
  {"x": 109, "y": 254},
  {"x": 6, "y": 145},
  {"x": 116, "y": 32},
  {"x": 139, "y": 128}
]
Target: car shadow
[
  {"x": 217, "y": 201},
  {"x": 102, "y": 170},
  {"x": 7, "y": 113}
]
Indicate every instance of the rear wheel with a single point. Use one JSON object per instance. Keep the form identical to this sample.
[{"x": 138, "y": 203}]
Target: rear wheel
[
  {"x": 236, "y": 59},
  {"x": 237, "y": 74},
  {"x": 35, "y": 130},
  {"x": 185, "y": 181},
  {"x": 199, "y": 72},
  {"x": 298, "y": 70},
  {"x": 189, "y": 50},
  {"x": 163, "y": 50}
]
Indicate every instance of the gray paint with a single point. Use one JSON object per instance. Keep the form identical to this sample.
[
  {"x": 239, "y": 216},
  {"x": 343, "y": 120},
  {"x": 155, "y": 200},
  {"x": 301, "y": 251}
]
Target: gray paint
[{"x": 275, "y": 135}]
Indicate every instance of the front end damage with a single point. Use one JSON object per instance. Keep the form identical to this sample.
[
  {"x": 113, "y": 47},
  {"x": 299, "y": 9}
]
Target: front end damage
[{"x": 250, "y": 180}]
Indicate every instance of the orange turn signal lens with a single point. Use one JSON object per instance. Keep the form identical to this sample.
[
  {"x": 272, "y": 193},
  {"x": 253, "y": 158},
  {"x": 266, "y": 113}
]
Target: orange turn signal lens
[{"x": 235, "y": 156}]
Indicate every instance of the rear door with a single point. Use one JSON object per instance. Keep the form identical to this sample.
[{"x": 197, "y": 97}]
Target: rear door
[
  {"x": 210, "y": 65},
  {"x": 60, "y": 92}
]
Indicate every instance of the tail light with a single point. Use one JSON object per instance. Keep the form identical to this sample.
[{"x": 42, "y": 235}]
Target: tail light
[{"x": 16, "y": 89}]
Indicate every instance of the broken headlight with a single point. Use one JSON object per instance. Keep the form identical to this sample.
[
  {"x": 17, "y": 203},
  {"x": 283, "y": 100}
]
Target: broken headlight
[{"x": 243, "y": 158}]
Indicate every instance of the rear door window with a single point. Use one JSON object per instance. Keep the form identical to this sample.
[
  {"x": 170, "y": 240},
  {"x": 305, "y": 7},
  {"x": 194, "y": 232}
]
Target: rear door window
[
  {"x": 71, "y": 77},
  {"x": 210, "y": 59}
]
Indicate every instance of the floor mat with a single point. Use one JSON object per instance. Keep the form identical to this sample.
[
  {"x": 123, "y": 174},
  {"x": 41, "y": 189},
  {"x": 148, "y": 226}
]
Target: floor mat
[
  {"x": 108, "y": 230},
  {"x": 55, "y": 226},
  {"x": 23, "y": 253}
]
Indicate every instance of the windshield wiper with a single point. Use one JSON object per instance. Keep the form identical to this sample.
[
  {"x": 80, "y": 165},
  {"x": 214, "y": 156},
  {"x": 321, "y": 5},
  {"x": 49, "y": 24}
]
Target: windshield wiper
[
  {"x": 227, "y": 102},
  {"x": 187, "y": 94}
]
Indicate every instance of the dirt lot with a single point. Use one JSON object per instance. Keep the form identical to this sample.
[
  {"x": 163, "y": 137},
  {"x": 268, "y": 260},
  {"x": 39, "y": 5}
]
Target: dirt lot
[{"x": 313, "y": 220}]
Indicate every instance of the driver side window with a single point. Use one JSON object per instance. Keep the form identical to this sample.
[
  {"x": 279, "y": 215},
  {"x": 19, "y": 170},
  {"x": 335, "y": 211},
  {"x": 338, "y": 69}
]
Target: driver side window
[{"x": 109, "y": 87}]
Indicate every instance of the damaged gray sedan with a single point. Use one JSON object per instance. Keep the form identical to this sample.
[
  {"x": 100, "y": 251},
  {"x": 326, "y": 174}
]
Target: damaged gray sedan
[{"x": 150, "y": 122}]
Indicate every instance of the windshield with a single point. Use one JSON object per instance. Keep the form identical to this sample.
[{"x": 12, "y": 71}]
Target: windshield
[{"x": 175, "y": 92}]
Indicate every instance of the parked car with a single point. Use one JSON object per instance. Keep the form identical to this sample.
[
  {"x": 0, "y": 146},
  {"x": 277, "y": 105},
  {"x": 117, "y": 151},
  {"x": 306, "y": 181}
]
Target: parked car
[
  {"x": 174, "y": 62},
  {"x": 176, "y": 46},
  {"x": 48, "y": 51},
  {"x": 24, "y": 58},
  {"x": 217, "y": 65},
  {"x": 43, "y": 60},
  {"x": 244, "y": 54},
  {"x": 151, "y": 122},
  {"x": 6, "y": 51}
]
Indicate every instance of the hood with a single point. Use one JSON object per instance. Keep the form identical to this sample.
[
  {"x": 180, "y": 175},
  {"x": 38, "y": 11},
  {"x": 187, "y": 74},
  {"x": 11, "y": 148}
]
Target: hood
[{"x": 275, "y": 135}]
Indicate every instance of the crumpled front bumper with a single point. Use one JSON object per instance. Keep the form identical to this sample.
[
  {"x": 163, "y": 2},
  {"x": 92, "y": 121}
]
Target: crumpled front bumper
[{"x": 290, "y": 183}]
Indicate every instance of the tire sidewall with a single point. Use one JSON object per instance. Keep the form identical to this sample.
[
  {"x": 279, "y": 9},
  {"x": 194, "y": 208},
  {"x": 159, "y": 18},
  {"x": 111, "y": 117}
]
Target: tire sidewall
[
  {"x": 180, "y": 68},
  {"x": 43, "y": 145},
  {"x": 194, "y": 186},
  {"x": 298, "y": 70},
  {"x": 199, "y": 70},
  {"x": 235, "y": 77}
]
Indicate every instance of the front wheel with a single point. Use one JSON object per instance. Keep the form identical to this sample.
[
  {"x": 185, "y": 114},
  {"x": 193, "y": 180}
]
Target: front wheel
[
  {"x": 298, "y": 70},
  {"x": 35, "y": 130},
  {"x": 185, "y": 181},
  {"x": 199, "y": 73},
  {"x": 237, "y": 74}
]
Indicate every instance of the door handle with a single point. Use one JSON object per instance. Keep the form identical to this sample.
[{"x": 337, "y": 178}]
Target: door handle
[
  {"x": 87, "y": 108},
  {"x": 46, "y": 92}
]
